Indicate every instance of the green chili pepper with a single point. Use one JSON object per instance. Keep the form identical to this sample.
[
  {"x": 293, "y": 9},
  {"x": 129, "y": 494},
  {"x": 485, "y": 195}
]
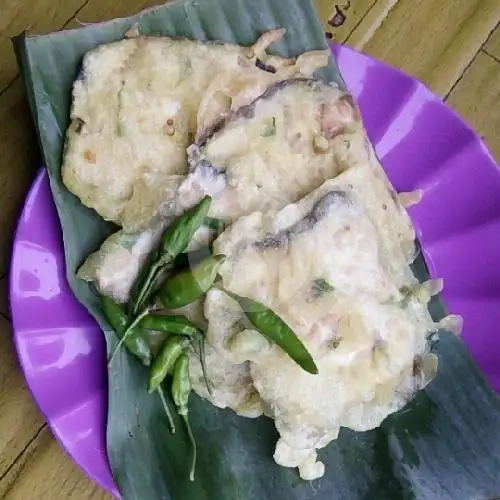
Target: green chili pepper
[
  {"x": 164, "y": 362},
  {"x": 175, "y": 240},
  {"x": 179, "y": 325},
  {"x": 131, "y": 327},
  {"x": 134, "y": 341},
  {"x": 189, "y": 285},
  {"x": 153, "y": 275},
  {"x": 181, "y": 384},
  {"x": 181, "y": 388},
  {"x": 118, "y": 320},
  {"x": 271, "y": 326},
  {"x": 177, "y": 237},
  {"x": 158, "y": 275}
]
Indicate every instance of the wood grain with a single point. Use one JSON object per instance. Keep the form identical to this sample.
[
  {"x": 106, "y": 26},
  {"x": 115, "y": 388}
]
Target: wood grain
[
  {"x": 98, "y": 11},
  {"x": 477, "y": 98},
  {"x": 19, "y": 418},
  {"x": 436, "y": 41},
  {"x": 34, "y": 16},
  {"x": 433, "y": 40},
  {"x": 340, "y": 18},
  {"x": 492, "y": 46},
  {"x": 58, "y": 477},
  {"x": 19, "y": 162},
  {"x": 4, "y": 305},
  {"x": 366, "y": 28}
]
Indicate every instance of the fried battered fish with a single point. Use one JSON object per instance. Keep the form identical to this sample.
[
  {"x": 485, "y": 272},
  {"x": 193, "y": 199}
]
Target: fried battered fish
[
  {"x": 334, "y": 268},
  {"x": 137, "y": 106}
]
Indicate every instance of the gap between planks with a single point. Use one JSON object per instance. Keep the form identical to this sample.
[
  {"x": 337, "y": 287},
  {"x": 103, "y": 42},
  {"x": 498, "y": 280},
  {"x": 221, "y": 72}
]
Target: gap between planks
[
  {"x": 64, "y": 25},
  {"x": 491, "y": 55},
  {"x": 481, "y": 49},
  {"x": 19, "y": 456}
]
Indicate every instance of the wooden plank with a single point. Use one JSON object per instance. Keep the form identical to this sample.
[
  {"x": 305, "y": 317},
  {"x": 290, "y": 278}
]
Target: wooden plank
[
  {"x": 19, "y": 417},
  {"x": 37, "y": 17},
  {"x": 4, "y": 305},
  {"x": 492, "y": 46},
  {"x": 51, "y": 15},
  {"x": 19, "y": 162},
  {"x": 98, "y": 11},
  {"x": 434, "y": 41},
  {"x": 44, "y": 471},
  {"x": 366, "y": 28},
  {"x": 477, "y": 98},
  {"x": 353, "y": 10},
  {"x": 340, "y": 18}
]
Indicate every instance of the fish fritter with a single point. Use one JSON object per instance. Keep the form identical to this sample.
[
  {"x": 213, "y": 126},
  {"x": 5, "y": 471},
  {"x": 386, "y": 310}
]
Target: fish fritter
[
  {"x": 287, "y": 142},
  {"x": 135, "y": 111},
  {"x": 334, "y": 268}
]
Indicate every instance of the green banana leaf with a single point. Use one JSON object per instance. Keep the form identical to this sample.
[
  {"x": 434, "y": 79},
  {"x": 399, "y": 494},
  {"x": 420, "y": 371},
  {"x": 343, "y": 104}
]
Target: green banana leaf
[{"x": 444, "y": 445}]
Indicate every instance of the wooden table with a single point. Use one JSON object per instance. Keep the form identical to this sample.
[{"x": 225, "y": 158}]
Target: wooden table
[{"x": 453, "y": 46}]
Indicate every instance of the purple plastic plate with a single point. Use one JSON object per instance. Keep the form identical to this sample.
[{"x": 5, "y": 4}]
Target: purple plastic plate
[{"x": 422, "y": 144}]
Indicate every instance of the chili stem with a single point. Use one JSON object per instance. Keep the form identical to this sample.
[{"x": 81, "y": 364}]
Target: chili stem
[
  {"x": 149, "y": 283},
  {"x": 193, "y": 444},
  {"x": 204, "y": 365},
  {"x": 128, "y": 330},
  {"x": 167, "y": 409}
]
